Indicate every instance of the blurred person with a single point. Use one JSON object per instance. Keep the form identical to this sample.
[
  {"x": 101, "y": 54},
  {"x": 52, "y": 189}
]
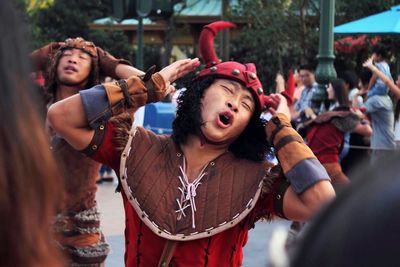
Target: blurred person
[
  {"x": 397, "y": 114},
  {"x": 360, "y": 227},
  {"x": 191, "y": 198},
  {"x": 299, "y": 86},
  {"x": 72, "y": 66},
  {"x": 394, "y": 88},
  {"x": 376, "y": 85},
  {"x": 29, "y": 181},
  {"x": 307, "y": 78},
  {"x": 379, "y": 108},
  {"x": 325, "y": 135},
  {"x": 351, "y": 82},
  {"x": 106, "y": 174}
]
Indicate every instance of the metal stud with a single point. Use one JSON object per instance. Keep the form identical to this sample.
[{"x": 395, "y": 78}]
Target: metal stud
[
  {"x": 253, "y": 75},
  {"x": 94, "y": 147},
  {"x": 236, "y": 72},
  {"x": 213, "y": 69},
  {"x": 101, "y": 127},
  {"x": 260, "y": 91}
]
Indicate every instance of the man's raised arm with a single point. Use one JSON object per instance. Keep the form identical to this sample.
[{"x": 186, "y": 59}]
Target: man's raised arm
[{"x": 76, "y": 117}]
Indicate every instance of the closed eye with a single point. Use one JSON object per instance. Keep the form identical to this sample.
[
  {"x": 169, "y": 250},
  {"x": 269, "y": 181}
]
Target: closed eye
[
  {"x": 246, "y": 106},
  {"x": 227, "y": 89}
]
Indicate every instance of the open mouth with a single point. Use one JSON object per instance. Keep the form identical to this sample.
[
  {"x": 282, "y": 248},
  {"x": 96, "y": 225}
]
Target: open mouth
[{"x": 225, "y": 119}]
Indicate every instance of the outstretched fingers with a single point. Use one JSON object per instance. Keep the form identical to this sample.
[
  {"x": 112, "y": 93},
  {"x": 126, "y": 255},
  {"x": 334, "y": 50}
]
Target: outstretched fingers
[
  {"x": 369, "y": 63},
  {"x": 178, "y": 69}
]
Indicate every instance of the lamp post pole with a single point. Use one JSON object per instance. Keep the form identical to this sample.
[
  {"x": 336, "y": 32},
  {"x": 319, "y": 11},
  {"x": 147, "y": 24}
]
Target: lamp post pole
[
  {"x": 139, "y": 34},
  {"x": 143, "y": 8},
  {"x": 325, "y": 71}
]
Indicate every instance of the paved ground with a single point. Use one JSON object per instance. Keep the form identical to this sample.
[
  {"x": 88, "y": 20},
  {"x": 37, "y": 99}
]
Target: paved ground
[{"x": 110, "y": 204}]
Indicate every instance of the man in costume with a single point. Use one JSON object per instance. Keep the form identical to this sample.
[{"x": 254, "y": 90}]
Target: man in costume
[
  {"x": 72, "y": 66},
  {"x": 191, "y": 198}
]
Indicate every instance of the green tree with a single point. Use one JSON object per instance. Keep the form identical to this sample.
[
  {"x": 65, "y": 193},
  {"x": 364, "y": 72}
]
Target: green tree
[
  {"x": 57, "y": 20},
  {"x": 280, "y": 35},
  {"x": 283, "y": 34}
]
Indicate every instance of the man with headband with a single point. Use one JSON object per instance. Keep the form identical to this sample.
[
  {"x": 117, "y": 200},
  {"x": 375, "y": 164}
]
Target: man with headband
[{"x": 72, "y": 66}]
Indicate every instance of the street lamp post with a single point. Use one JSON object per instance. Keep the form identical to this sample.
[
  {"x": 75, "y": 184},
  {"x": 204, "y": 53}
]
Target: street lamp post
[
  {"x": 325, "y": 71},
  {"x": 143, "y": 8}
]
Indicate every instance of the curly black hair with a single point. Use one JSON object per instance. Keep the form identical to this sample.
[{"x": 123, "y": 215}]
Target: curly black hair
[
  {"x": 252, "y": 143},
  {"x": 51, "y": 75}
]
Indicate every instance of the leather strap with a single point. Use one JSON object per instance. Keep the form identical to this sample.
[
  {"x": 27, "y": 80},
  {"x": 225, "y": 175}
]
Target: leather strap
[
  {"x": 167, "y": 253},
  {"x": 278, "y": 197},
  {"x": 279, "y": 126},
  {"x": 151, "y": 95},
  {"x": 286, "y": 140},
  {"x": 124, "y": 88},
  {"x": 96, "y": 141}
]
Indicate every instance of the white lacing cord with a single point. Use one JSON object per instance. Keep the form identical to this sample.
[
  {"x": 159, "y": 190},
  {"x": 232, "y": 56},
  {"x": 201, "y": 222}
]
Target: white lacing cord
[{"x": 188, "y": 192}]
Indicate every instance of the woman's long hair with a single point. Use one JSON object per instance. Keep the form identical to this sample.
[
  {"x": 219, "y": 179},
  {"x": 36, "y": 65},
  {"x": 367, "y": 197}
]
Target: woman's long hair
[
  {"x": 28, "y": 175},
  {"x": 341, "y": 93},
  {"x": 251, "y": 144}
]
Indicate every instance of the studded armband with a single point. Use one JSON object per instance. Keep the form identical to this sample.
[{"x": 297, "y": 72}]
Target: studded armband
[{"x": 96, "y": 141}]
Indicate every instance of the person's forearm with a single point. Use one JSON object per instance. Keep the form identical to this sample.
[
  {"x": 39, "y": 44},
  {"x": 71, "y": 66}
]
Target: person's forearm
[
  {"x": 124, "y": 71},
  {"x": 308, "y": 178},
  {"x": 389, "y": 82},
  {"x": 104, "y": 101}
]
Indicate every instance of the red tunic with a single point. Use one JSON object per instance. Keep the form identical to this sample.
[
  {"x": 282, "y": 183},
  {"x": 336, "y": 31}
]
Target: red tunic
[
  {"x": 144, "y": 248},
  {"x": 326, "y": 141}
]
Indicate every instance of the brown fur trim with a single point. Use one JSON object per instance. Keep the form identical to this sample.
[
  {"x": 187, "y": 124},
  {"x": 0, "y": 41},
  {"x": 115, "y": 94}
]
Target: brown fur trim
[
  {"x": 269, "y": 185},
  {"x": 270, "y": 179},
  {"x": 122, "y": 125}
]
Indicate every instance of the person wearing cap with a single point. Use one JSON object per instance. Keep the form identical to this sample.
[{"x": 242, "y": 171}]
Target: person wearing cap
[
  {"x": 190, "y": 198},
  {"x": 72, "y": 66}
]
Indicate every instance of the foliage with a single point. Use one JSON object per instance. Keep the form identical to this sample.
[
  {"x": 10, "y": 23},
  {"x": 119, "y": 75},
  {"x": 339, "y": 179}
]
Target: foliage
[
  {"x": 348, "y": 11},
  {"x": 57, "y": 20},
  {"x": 283, "y": 34},
  {"x": 113, "y": 41},
  {"x": 280, "y": 35}
]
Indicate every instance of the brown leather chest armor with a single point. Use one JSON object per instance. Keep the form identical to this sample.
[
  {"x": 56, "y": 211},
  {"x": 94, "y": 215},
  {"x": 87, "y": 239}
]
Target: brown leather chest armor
[{"x": 150, "y": 171}]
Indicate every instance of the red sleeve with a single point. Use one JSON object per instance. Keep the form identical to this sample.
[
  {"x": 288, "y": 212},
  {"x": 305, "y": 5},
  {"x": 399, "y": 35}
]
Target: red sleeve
[
  {"x": 270, "y": 203},
  {"x": 107, "y": 154}
]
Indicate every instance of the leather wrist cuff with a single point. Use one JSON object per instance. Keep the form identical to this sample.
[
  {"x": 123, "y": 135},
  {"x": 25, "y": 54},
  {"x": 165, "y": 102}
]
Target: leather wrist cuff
[
  {"x": 135, "y": 92},
  {"x": 108, "y": 63},
  {"x": 275, "y": 125},
  {"x": 298, "y": 162}
]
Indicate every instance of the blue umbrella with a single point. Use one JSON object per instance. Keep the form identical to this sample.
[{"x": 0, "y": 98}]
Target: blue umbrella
[{"x": 387, "y": 22}]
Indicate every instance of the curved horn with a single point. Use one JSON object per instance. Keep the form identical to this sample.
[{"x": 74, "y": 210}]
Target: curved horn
[{"x": 206, "y": 41}]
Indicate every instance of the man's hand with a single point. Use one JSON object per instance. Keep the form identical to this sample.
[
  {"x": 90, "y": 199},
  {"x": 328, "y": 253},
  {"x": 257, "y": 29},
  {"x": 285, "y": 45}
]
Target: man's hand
[
  {"x": 282, "y": 106},
  {"x": 176, "y": 70}
]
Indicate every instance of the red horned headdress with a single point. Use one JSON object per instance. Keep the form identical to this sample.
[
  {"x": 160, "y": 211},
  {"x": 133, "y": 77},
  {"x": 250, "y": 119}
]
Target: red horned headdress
[{"x": 246, "y": 74}]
